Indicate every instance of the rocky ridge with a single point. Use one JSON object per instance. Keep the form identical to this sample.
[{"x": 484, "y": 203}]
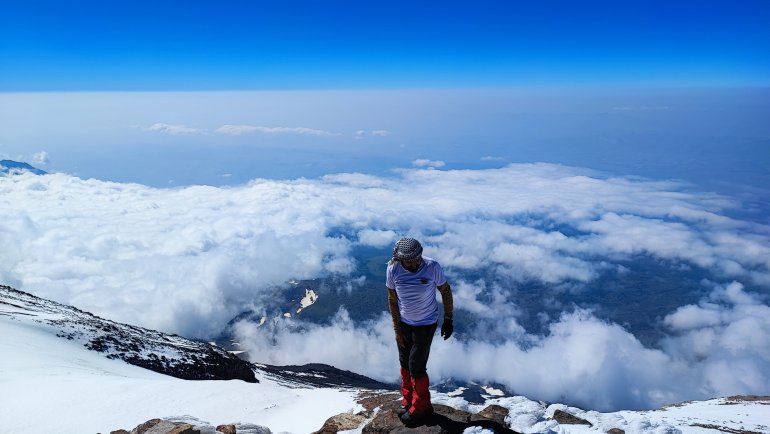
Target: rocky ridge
[
  {"x": 167, "y": 354},
  {"x": 380, "y": 417}
]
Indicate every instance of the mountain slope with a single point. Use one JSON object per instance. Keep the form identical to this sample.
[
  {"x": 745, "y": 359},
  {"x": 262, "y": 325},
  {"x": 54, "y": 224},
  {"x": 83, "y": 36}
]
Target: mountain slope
[
  {"x": 159, "y": 352},
  {"x": 10, "y": 166},
  {"x": 51, "y": 384}
]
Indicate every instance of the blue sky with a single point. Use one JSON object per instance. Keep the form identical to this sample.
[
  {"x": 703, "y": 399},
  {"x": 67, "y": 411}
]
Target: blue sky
[{"x": 238, "y": 45}]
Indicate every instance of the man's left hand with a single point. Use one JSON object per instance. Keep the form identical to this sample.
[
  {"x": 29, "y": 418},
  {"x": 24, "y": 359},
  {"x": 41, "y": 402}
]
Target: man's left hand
[{"x": 447, "y": 328}]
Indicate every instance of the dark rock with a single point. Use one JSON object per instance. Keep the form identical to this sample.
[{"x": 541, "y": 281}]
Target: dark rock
[
  {"x": 341, "y": 422},
  {"x": 386, "y": 401},
  {"x": 158, "y": 426},
  {"x": 616, "y": 431},
  {"x": 492, "y": 412},
  {"x": 321, "y": 375},
  {"x": 724, "y": 429},
  {"x": 142, "y": 428},
  {"x": 385, "y": 422},
  {"x": 452, "y": 414},
  {"x": 120, "y": 431},
  {"x": 253, "y": 429},
  {"x": 420, "y": 430},
  {"x": 227, "y": 429},
  {"x": 748, "y": 398},
  {"x": 444, "y": 420},
  {"x": 181, "y": 429},
  {"x": 565, "y": 418}
]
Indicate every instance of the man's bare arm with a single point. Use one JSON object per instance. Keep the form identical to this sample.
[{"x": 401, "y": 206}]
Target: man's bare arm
[
  {"x": 446, "y": 299},
  {"x": 395, "y": 315}
]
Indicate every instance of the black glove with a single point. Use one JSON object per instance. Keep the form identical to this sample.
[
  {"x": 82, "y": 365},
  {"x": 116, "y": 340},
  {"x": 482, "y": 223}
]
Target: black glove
[{"x": 447, "y": 328}]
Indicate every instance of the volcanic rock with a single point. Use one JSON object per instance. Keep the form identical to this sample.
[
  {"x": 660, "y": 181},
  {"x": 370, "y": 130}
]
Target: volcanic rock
[
  {"x": 226, "y": 429},
  {"x": 565, "y": 418}
]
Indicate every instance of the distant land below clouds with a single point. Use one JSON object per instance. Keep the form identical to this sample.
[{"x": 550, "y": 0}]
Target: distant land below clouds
[{"x": 714, "y": 138}]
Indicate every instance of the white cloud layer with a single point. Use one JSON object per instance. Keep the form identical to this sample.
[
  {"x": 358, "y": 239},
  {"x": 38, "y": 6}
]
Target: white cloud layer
[
  {"x": 582, "y": 360},
  {"x": 238, "y": 130},
  {"x": 174, "y": 130},
  {"x": 187, "y": 260}
]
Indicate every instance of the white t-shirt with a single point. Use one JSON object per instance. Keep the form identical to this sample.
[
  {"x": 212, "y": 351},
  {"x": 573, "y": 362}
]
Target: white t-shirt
[{"x": 416, "y": 291}]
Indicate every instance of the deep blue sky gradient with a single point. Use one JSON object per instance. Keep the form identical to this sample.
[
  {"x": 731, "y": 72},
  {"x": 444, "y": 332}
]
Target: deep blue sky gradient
[{"x": 239, "y": 45}]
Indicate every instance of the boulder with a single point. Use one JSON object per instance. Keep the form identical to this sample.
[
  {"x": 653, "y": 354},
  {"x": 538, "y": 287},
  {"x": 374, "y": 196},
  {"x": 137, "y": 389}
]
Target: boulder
[
  {"x": 389, "y": 401},
  {"x": 226, "y": 429},
  {"x": 565, "y": 418},
  {"x": 159, "y": 426},
  {"x": 142, "y": 428},
  {"x": 616, "y": 431},
  {"x": 444, "y": 420},
  {"x": 384, "y": 422},
  {"x": 341, "y": 422},
  {"x": 492, "y": 412}
]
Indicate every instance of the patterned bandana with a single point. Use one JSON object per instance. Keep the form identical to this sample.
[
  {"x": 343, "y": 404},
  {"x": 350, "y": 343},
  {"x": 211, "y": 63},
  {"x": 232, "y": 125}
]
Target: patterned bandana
[{"x": 407, "y": 249}]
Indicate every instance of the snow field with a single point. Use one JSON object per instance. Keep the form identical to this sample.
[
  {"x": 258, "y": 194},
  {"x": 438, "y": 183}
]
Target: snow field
[{"x": 49, "y": 384}]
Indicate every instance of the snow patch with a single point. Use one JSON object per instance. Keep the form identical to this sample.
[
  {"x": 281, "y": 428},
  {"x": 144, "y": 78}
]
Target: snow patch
[
  {"x": 492, "y": 391},
  {"x": 309, "y": 298},
  {"x": 457, "y": 392}
]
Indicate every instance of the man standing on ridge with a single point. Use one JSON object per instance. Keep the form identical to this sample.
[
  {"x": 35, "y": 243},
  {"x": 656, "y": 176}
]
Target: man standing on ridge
[{"x": 412, "y": 281}]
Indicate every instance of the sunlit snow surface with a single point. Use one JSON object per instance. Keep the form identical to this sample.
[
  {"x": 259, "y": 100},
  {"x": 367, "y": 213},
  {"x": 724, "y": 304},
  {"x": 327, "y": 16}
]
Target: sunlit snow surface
[{"x": 52, "y": 385}]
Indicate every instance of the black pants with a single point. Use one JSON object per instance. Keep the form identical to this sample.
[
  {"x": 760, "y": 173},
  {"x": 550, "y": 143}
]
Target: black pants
[{"x": 414, "y": 355}]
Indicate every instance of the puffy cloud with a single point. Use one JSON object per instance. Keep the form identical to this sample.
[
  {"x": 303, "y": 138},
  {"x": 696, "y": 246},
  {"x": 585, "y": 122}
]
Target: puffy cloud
[
  {"x": 727, "y": 337},
  {"x": 238, "y": 130},
  {"x": 376, "y": 238},
  {"x": 581, "y": 359},
  {"x": 342, "y": 343},
  {"x": 360, "y": 134},
  {"x": 421, "y": 162},
  {"x": 40, "y": 158}
]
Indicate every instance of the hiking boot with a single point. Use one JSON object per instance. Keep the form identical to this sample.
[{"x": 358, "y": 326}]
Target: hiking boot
[
  {"x": 413, "y": 419},
  {"x": 403, "y": 409}
]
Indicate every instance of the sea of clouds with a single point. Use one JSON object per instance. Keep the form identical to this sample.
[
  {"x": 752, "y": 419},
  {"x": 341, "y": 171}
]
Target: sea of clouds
[{"x": 187, "y": 260}]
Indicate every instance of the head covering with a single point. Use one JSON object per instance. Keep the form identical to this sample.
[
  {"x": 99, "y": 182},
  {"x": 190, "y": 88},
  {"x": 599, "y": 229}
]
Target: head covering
[{"x": 407, "y": 249}]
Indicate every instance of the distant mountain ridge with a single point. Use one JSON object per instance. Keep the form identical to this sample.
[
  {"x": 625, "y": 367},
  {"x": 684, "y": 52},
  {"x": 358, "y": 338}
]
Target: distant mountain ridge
[
  {"x": 10, "y": 166},
  {"x": 165, "y": 354}
]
